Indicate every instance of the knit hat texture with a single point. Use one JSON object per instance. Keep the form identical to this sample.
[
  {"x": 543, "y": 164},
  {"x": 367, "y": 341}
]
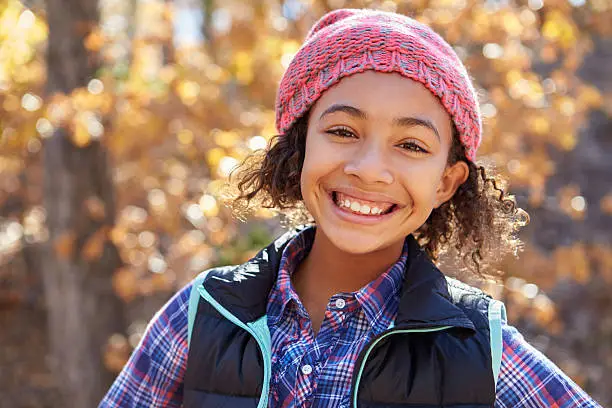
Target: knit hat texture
[{"x": 348, "y": 41}]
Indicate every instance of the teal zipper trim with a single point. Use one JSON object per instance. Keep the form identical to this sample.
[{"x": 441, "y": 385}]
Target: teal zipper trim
[
  {"x": 384, "y": 336},
  {"x": 259, "y": 330},
  {"x": 260, "y": 326},
  {"x": 497, "y": 316},
  {"x": 194, "y": 299}
]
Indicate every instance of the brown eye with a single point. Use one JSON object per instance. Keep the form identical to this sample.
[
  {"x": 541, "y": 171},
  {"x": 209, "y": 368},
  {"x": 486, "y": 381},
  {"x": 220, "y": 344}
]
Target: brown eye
[
  {"x": 343, "y": 132},
  {"x": 412, "y": 146}
]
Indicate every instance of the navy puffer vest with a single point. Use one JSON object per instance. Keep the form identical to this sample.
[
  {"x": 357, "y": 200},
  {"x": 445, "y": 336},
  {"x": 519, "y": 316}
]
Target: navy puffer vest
[{"x": 437, "y": 354}]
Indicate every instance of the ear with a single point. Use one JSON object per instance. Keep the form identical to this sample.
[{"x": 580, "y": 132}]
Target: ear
[{"x": 453, "y": 177}]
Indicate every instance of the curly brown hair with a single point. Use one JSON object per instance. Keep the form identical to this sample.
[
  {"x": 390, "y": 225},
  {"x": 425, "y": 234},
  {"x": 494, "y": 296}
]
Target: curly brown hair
[{"x": 479, "y": 223}]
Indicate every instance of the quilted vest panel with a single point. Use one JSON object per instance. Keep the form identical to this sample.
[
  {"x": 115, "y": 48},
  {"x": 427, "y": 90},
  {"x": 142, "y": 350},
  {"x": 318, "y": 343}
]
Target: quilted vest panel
[
  {"x": 224, "y": 365},
  {"x": 450, "y": 368}
]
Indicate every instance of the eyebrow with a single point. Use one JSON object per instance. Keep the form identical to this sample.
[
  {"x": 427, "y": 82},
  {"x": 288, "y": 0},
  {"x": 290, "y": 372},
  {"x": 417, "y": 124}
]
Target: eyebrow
[{"x": 403, "y": 121}]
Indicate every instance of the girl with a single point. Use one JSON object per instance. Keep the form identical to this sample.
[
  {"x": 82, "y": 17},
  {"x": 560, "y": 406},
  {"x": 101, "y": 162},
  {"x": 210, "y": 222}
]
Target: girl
[{"x": 379, "y": 126}]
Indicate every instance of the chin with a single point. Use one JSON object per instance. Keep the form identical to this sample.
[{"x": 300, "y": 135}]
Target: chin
[
  {"x": 355, "y": 241},
  {"x": 359, "y": 240}
]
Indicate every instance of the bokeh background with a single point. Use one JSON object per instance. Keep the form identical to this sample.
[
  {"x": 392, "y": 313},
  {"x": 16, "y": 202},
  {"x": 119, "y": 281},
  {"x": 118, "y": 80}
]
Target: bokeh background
[{"x": 120, "y": 120}]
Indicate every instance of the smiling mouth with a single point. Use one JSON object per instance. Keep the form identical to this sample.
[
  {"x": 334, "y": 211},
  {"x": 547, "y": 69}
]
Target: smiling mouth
[{"x": 361, "y": 207}]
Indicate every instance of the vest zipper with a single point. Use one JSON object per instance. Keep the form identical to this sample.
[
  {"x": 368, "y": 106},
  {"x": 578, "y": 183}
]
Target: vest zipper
[
  {"x": 259, "y": 330},
  {"x": 373, "y": 344}
]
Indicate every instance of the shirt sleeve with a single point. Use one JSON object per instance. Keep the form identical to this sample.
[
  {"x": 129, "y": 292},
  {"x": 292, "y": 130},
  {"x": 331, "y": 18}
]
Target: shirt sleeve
[
  {"x": 529, "y": 379},
  {"x": 153, "y": 376}
]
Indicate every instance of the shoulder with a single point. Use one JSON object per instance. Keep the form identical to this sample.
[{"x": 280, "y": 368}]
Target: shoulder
[
  {"x": 170, "y": 321},
  {"x": 473, "y": 301},
  {"x": 528, "y": 378},
  {"x": 153, "y": 375},
  {"x": 460, "y": 290}
]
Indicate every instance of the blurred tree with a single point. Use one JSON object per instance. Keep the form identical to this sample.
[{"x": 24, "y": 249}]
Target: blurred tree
[
  {"x": 79, "y": 258},
  {"x": 572, "y": 228}
]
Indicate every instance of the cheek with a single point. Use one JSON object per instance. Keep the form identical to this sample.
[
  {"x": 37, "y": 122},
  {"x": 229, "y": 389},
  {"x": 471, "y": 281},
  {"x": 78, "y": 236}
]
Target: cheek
[
  {"x": 421, "y": 182},
  {"x": 304, "y": 177},
  {"x": 319, "y": 159},
  {"x": 311, "y": 169},
  {"x": 308, "y": 167},
  {"x": 432, "y": 188}
]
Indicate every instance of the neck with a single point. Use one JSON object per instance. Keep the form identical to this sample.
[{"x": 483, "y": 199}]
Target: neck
[{"x": 328, "y": 270}]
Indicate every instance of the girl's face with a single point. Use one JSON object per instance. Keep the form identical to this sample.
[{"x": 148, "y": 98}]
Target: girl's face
[{"x": 376, "y": 161}]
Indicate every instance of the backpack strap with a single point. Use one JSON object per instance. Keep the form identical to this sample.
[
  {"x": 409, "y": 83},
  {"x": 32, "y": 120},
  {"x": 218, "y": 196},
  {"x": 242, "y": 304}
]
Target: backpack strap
[
  {"x": 194, "y": 300},
  {"x": 497, "y": 317}
]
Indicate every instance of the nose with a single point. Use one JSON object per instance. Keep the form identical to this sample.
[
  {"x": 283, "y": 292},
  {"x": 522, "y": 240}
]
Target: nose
[{"x": 370, "y": 165}]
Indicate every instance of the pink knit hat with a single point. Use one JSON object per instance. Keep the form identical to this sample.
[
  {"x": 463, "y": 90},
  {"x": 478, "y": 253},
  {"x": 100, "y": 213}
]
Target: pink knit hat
[{"x": 348, "y": 41}]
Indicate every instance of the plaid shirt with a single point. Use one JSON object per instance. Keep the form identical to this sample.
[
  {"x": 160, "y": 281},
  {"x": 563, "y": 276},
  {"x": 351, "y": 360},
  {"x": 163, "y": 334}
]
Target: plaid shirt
[
  {"x": 309, "y": 370},
  {"x": 153, "y": 376}
]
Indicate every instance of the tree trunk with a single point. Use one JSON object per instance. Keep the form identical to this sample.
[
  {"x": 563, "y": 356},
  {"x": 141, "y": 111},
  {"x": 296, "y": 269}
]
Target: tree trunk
[
  {"x": 78, "y": 260},
  {"x": 208, "y": 7}
]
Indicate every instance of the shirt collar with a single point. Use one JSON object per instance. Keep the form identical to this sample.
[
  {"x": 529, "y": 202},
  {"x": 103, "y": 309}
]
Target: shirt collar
[
  {"x": 244, "y": 290},
  {"x": 283, "y": 291},
  {"x": 379, "y": 299}
]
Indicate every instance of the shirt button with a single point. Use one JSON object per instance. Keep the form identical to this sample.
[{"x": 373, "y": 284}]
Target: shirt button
[
  {"x": 340, "y": 303},
  {"x": 306, "y": 369}
]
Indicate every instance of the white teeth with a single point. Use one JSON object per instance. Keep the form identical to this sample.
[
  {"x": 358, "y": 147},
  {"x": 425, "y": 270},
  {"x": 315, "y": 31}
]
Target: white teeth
[{"x": 360, "y": 208}]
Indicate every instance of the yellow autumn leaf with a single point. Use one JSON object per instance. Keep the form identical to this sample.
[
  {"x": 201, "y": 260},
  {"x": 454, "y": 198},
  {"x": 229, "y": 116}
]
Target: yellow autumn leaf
[
  {"x": 80, "y": 134},
  {"x": 512, "y": 24},
  {"x": 185, "y": 136},
  {"x": 539, "y": 125},
  {"x": 64, "y": 245},
  {"x": 95, "y": 208},
  {"x": 214, "y": 156},
  {"x": 188, "y": 91},
  {"x": 606, "y": 204},
  {"x": 95, "y": 40},
  {"x": 94, "y": 245},
  {"x": 125, "y": 283},
  {"x": 590, "y": 96},
  {"x": 567, "y": 141},
  {"x": 209, "y": 206},
  {"x": 226, "y": 139}
]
